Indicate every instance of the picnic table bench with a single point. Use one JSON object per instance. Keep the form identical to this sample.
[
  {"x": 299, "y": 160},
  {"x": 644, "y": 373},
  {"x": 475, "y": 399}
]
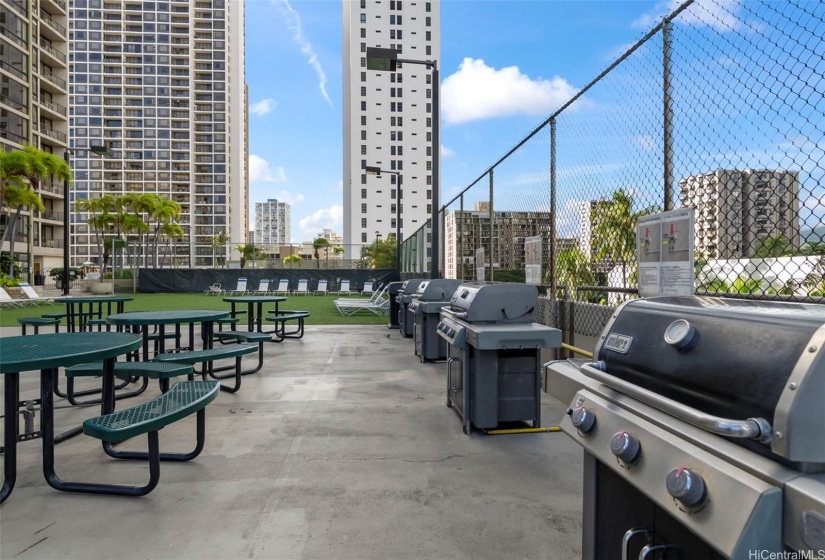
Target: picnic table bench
[
  {"x": 282, "y": 317},
  {"x": 208, "y": 356}
]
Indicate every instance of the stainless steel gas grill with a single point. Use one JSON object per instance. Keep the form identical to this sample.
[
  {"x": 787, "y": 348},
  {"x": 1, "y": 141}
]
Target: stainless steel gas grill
[
  {"x": 703, "y": 429},
  {"x": 406, "y": 319},
  {"x": 494, "y": 354},
  {"x": 425, "y": 306}
]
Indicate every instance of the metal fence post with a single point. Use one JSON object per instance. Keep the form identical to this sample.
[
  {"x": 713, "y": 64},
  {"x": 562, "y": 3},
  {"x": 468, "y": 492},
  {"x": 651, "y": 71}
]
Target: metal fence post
[
  {"x": 667, "y": 43},
  {"x": 492, "y": 218},
  {"x": 460, "y": 236},
  {"x": 552, "y": 268}
]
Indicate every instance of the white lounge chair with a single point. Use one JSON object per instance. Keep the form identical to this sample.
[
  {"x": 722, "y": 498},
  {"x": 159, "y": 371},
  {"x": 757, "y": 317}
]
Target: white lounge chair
[
  {"x": 303, "y": 284},
  {"x": 214, "y": 290},
  {"x": 240, "y": 290},
  {"x": 7, "y": 301},
  {"x": 372, "y": 299},
  {"x": 322, "y": 288},
  {"x": 263, "y": 288},
  {"x": 379, "y": 306},
  {"x": 368, "y": 288},
  {"x": 283, "y": 288},
  {"x": 33, "y": 295},
  {"x": 344, "y": 287}
]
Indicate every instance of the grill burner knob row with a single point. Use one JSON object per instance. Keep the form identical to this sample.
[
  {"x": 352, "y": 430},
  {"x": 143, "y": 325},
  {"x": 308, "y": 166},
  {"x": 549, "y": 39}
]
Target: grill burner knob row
[
  {"x": 686, "y": 486},
  {"x": 583, "y": 420},
  {"x": 626, "y": 447}
]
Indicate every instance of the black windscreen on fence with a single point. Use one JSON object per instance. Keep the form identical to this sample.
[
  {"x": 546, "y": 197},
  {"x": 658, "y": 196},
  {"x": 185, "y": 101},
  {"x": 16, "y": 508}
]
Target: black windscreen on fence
[{"x": 184, "y": 280}]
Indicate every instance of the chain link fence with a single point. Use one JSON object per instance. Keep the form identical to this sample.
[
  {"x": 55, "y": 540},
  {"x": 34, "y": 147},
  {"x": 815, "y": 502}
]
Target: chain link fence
[{"x": 720, "y": 108}]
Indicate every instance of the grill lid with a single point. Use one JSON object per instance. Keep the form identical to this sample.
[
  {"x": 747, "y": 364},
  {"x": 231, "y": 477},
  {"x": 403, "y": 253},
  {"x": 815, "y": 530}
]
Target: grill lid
[
  {"x": 436, "y": 290},
  {"x": 494, "y": 303},
  {"x": 730, "y": 358}
]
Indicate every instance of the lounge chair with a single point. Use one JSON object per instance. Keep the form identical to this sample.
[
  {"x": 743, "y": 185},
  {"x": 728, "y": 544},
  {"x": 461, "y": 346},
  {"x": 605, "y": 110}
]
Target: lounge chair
[
  {"x": 372, "y": 299},
  {"x": 240, "y": 290},
  {"x": 302, "y": 287},
  {"x": 263, "y": 289},
  {"x": 7, "y": 301},
  {"x": 214, "y": 290},
  {"x": 283, "y": 288},
  {"x": 33, "y": 295},
  {"x": 322, "y": 288},
  {"x": 379, "y": 306},
  {"x": 368, "y": 288},
  {"x": 344, "y": 287}
]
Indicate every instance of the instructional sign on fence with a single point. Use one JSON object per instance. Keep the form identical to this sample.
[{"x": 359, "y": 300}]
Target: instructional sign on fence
[
  {"x": 664, "y": 251},
  {"x": 532, "y": 260},
  {"x": 480, "y": 264}
]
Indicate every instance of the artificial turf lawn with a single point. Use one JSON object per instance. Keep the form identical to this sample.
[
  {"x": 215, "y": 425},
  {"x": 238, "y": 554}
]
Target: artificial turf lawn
[{"x": 321, "y": 309}]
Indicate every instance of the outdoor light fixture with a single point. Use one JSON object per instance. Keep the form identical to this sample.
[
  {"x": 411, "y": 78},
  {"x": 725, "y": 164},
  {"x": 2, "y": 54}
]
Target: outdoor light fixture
[
  {"x": 103, "y": 152},
  {"x": 378, "y": 171},
  {"x": 386, "y": 60}
]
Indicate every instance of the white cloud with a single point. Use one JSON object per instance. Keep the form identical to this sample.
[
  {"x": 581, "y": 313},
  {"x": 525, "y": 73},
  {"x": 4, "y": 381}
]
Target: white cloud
[
  {"x": 331, "y": 218},
  {"x": 721, "y": 15},
  {"x": 646, "y": 142},
  {"x": 260, "y": 172},
  {"x": 293, "y": 22},
  {"x": 263, "y": 106},
  {"x": 446, "y": 152},
  {"x": 477, "y": 91}
]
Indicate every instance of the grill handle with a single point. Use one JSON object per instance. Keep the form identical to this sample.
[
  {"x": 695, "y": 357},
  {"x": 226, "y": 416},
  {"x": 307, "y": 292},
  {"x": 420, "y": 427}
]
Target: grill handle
[{"x": 752, "y": 428}]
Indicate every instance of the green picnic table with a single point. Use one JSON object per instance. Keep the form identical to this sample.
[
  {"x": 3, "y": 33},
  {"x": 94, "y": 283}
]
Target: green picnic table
[
  {"x": 255, "y": 308},
  {"x": 79, "y": 310},
  {"x": 47, "y": 353},
  {"x": 160, "y": 319}
]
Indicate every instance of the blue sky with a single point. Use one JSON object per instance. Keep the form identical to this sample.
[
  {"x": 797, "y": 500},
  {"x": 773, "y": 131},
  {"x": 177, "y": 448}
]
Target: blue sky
[{"x": 532, "y": 55}]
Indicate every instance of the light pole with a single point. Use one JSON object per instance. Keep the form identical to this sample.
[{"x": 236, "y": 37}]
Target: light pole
[
  {"x": 101, "y": 151},
  {"x": 386, "y": 60},
  {"x": 377, "y": 171}
]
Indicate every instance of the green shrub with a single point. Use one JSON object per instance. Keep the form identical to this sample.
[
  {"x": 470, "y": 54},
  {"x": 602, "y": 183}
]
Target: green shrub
[
  {"x": 74, "y": 273},
  {"x": 7, "y": 281},
  {"x": 510, "y": 275},
  {"x": 120, "y": 275}
]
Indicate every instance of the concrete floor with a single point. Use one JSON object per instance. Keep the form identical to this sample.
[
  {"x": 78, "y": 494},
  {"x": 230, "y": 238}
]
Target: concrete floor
[{"x": 341, "y": 447}]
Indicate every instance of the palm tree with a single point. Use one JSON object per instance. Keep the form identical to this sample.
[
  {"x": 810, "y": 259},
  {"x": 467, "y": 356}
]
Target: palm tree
[
  {"x": 171, "y": 230},
  {"x": 163, "y": 212},
  {"x": 99, "y": 220},
  {"x": 18, "y": 198},
  {"x": 318, "y": 244},
  {"x": 614, "y": 231},
  {"x": 219, "y": 242},
  {"x": 338, "y": 250},
  {"x": 293, "y": 259},
  {"x": 573, "y": 269}
]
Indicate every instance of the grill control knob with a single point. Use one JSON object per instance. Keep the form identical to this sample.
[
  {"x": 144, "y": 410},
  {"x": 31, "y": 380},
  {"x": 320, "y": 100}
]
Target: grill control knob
[
  {"x": 583, "y": 420},
  {"x": 625, "y": 446},
  {"x": 686, "y": 486}
]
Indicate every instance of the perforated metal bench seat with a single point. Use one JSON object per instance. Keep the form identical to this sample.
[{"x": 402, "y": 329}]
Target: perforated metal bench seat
[
  {"x": 152, "y": 370},
  {"x": 287, "y": 315},
  {"x": 200, "y": 356},
  {"x": 245, "y": 336},
  {"x": 282, "y": 317},
  {"x": 54, "y": 315},
  {"x": 38, "y": 322}
]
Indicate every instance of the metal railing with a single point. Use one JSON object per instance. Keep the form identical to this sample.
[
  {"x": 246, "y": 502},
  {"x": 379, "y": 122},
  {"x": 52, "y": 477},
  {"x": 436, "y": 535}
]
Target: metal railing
[{"x": 719, "y": 107}]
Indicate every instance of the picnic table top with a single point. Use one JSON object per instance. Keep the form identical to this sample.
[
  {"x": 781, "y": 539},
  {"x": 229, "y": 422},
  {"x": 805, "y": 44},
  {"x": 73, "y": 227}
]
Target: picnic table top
[
  {"x": 166, "y": 317},
  {"x": 44, "y": 351},
  {"x": 253, "y": 299}
]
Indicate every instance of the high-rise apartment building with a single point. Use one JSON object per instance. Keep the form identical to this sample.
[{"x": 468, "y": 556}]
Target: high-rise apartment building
[
  {"x": 33, "y": 110},
  {"x": 736, "y": 210},
  {"x": 161, "y": 85},
  {"x": 272, "y": 223},
  {"x": 388, "y": 118}
]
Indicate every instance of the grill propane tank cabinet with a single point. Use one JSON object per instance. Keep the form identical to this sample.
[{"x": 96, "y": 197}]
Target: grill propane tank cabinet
[
  {"x": 406, "y": 318},
  {"x": 394, "y": 290},
  {"x": 494, "y": 354},
  {"x": 426, "y": 306}
]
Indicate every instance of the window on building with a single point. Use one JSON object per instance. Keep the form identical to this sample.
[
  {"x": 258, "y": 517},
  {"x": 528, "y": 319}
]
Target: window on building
[
  {"x": 392, "y": 209},
  {"x": 363, "y": 105},
  {"x": 429, "y": 150},
  {"x": 400, "y": 165},
  {"x": 364, "y": 120},
  {"x": 392, "y": 92},
  {"x": 363, "y": 47},
  {"x": 399, "y": 121},
  {"x": 392, "y": 78},
  {"x": 427, "y": 6},
  {"x": 429, "y": 179},
  {"x": 429, "y": 210},
  {"x": 427, "y": 35},
  {"x": 398, "y": 35},
  {"x": 392, "y": 135},
  {"x": 392, "y": 121},
  {"x": 363, "y": 91},
  {"x": 429, "y": 137},
  {"x": 400, "y": 136},
  {"x": 429, "y": 193},
  {"x": 392, "y": 19},
  {"x": 363, "y": 164},
  {"x": 429, "y": 165},
  {"x": 429, "y": 122},
  {"x": 363, "y": 4},
  {"x": 429, "y": 108},
  {"x": 399, "y": 77},
  {"x": 398, "y": 19},
  {"x": 363, "y": 207},
  {"x": 363, "y": 178},
  {"x": 392, "y": 164},
  {"x": 392, "y": 33},
  {"x": 363, "y": 193},
  {"x": 427, "y": 21},
  {"x": 363, "y": 62},
  {"x": 392, "y": 4},
  {"x": 363, "y": 135},
  {"x": 364, "y": 18},
  {"x": 363, "y": 149},
  {"x": 392, "y": 223},
  {"x": 429, "y": 50},
  {"x": 363, "y": 223},
  {"x": 363, "y": 76},
  {"x": 400, "y": 150},
  {"x": 429, "y": 93},
  {"x": 399, "y": 91},
  {"x": 364, "y": 237},
  {"x": 400, "y": 106},
  {"x": 392, "y": 107},
  {"x": 392, "y": 150},
  {"x": 392, "y": 193},
  {"x": 429, "y": 79},
  {"x": 364, "y": 32},
  {"x": 392, "y": 179}
]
